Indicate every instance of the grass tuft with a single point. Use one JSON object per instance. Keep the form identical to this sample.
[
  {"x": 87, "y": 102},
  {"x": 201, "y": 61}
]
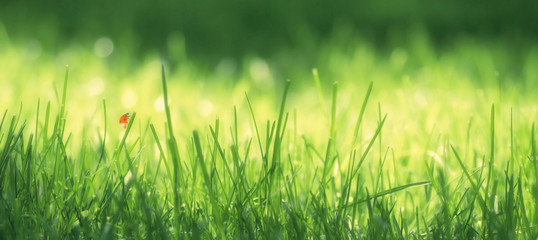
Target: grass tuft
[{"x": 242, "y": 178}]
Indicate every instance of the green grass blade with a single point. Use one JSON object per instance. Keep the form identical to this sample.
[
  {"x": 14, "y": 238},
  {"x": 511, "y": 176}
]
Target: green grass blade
[
  {"x": 255, "y": 127},
  {"x": 207, "y": 180},
  {"x": 332, "y": 132},
  {"x": 320, "y": 90},
  {"x": 361, "y": 113},
  {"x": 389, "y": 192},
  {"x": 174, "y": 155},
  {"x": 367, "y": 150},
  {"x": 492, "y": 152},
  {"x": 64, "y": 93}
]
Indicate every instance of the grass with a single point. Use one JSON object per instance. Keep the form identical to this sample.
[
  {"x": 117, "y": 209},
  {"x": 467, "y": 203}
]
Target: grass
[{"x": 431, "y": 160}]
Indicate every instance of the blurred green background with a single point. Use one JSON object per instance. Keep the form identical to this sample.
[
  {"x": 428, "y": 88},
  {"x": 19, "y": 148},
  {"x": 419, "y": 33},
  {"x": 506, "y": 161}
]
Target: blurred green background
[
  {"x": 114, "y": 50},
  {"x": 213, "y": 30}
]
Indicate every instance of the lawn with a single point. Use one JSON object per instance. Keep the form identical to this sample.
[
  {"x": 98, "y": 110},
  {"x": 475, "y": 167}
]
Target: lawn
[{"x": 408, "y": 141}]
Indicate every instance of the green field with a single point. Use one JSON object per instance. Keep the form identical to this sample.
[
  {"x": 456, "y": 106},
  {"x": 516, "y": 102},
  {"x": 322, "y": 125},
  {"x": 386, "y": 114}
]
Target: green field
[{"x": 409, "y": 140}]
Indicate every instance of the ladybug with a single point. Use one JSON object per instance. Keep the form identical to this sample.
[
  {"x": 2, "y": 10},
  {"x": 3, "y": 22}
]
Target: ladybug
[{"x": 123, "y": 120}]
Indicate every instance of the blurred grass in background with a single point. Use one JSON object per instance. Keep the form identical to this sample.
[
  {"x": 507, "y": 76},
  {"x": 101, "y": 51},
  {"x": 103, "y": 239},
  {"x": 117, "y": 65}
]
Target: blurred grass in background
[
  {"x": 227, "y": 36},
  {"x": 212, "y": 30}
]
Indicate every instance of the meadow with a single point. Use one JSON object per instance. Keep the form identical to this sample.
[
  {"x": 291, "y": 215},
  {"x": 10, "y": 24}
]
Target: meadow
[{"x": 409, "y": 142}]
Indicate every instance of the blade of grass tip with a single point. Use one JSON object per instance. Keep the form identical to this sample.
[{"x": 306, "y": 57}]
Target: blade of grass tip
[
  {"x": 380, "y": 138},
  {"x": 166, "y": 106},
  {"x": 320, "y": 90},
  {"x": 64, "y": 94},
  {"x": 235, "y": 137},
  {"x": 361, "y": 113},
  {"x": 269, "y": 135},
  {"x": 333, "y": 111},
  {"x": 255, "y": 126},
  {"x": 172, "y": 143}
]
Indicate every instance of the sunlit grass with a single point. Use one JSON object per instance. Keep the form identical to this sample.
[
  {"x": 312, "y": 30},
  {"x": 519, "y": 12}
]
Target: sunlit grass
[{"x": 412, "y": 143}]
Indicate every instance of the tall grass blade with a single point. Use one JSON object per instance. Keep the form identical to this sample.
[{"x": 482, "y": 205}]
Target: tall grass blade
[{"x": 361, "y": 113}]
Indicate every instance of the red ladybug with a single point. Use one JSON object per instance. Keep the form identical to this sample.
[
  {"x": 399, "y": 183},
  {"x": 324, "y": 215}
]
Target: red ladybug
[{"x": 123, "y": 120}]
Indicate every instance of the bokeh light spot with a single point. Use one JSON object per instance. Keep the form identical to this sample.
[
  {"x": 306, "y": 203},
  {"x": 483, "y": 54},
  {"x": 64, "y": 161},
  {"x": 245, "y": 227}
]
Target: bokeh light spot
[
  {"x": 159, "y": 104},
  {"x": 129, "y": 99},
  {"x": 103, "y": 47},
  {"x": 259, "y": 71},
  {"x": 205, "y": 107},
  {"x": 95, "y": 86}
]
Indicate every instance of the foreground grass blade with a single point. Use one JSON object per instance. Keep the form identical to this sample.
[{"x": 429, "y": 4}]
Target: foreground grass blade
[
  {"x": 174, "y": 155},
  {"x": 361, "y": 113},
  {"x": 389, "y": 191}
]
